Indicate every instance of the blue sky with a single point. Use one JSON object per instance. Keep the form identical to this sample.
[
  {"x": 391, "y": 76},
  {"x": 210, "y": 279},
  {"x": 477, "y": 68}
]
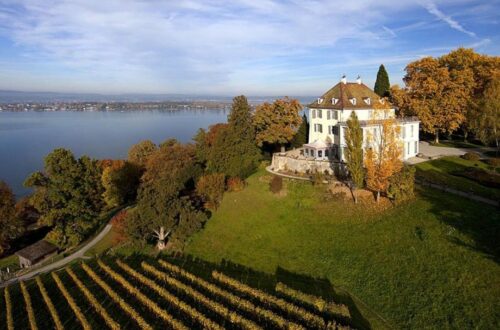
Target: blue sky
[{"x": 253, "y": 47}]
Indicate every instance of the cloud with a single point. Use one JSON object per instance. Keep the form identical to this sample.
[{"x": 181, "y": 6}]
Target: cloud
[
  {"x": 196, "y": 46},
  {"x": 433, "y": 9}
]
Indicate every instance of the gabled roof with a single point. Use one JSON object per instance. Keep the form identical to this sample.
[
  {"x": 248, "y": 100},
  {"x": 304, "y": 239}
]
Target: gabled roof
[
  {"x": 37, "y": 250},
  {"x": 343, "y": 92}
]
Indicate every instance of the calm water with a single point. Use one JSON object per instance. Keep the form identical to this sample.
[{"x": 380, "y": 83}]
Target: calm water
[{"x": 26, "y": 137}]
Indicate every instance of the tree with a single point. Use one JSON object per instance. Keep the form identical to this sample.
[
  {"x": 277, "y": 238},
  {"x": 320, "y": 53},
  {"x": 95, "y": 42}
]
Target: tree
[
  {"x": 486, "y": 119},
  {"x": 354, "y": 153},
  {"x": 383, "y": 155},
  {"x": 120, "y": 180},
  {"x": 434, "y": 97},
  {"x": 301, "y": 137},
  {"x": 230, "y": 148},
  {"x": 277, "y": 123},
  {"x": 139, "y": 153},
  {"x": 401, "y": 101},
  {"x": 10, "y": 224},
  {"x": 164, "y": 199},
  {"x": 67, "y": 196},
  {"x": 211, "y": 188},
  {"x": 382, "y": 85}
]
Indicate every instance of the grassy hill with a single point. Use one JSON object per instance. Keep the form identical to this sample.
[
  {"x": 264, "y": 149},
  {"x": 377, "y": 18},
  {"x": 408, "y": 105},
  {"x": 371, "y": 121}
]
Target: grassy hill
[
  {"x": 147, "y": 293},
  {"x": 432, "y": 262}
]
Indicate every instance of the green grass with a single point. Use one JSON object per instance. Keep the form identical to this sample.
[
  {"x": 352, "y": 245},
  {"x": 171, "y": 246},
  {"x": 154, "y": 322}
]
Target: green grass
[
  {"x": 432, "y": 263},
  {"x": 456, "y": 144},
  {"x": 440, "y": 171},
  {"x": 10, "y": 261},
  {"x": 103, "y": 245}
]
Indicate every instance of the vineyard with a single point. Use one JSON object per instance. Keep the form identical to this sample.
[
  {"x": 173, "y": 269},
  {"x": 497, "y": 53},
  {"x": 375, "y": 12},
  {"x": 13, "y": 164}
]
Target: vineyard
[{"x": 154, "y": 294}]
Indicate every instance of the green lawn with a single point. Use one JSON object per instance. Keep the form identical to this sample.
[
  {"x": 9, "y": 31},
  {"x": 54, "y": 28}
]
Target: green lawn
[
  {"x": 439, "y": 171},
  {"x": 432, "y": 263},
  {"x": 456, "y": 144}
]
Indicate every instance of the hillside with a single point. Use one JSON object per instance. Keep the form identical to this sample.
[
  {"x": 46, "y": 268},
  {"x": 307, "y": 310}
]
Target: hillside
[{"x": 151, "y": 294}]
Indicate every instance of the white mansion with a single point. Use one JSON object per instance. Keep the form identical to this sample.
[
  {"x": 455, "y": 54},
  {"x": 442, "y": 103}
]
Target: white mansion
[
  {"x": 328, "y": 117},
  {"x": 329, "y": 113}
]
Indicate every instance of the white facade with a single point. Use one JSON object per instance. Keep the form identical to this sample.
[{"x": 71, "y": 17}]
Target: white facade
[{"x": 327, "y": 125}]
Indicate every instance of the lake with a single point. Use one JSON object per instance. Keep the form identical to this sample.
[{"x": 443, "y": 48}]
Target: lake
[{"x": 27, "y": 137}]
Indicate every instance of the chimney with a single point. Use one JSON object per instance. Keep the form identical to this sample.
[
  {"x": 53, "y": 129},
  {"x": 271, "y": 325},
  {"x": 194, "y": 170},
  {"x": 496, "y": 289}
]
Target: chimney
[
  {"x": 343, "y": 79},
  {"x": 358, "y": 80}
]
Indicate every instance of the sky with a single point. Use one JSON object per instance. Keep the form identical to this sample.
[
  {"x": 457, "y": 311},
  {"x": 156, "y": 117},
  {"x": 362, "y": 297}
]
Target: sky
[{"x": 251, "y": 47}]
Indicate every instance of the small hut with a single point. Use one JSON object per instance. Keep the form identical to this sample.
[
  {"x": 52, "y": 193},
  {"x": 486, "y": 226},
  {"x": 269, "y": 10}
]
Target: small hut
[{"x": 35, "y": 253}]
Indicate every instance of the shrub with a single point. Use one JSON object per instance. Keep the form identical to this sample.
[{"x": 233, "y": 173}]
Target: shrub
[
  {"x": 494, "y": 162},
  {"x": 276, "y": 184},
  {"x": 317, "y": 178},
  {"x": 211, "y": 189},
  {"x": 474, "y": 156},
  {"x": 401, "y": 185},
  {"x": 235, "y": 184}
]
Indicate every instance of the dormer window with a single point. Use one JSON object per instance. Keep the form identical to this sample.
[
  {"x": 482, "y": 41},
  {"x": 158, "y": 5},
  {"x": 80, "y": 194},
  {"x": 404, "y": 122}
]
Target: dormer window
[
  {"x": 335, "y": 101},
  {"x": 353, "y": 101},
  {"x": 367, "y": 100},
  {"x": 381, "y": 101},
  {"x": 320, "y": 100}
]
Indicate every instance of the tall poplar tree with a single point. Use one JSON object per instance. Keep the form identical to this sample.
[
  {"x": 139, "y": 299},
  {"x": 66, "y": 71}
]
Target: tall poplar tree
[
  {"x": 382, "y": 85},
  {"x": 354, "y": 154},
  {"x": 302, "y": 135}
]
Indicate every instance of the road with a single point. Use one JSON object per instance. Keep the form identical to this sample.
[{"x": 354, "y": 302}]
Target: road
[{"x": 58, "y": 264}]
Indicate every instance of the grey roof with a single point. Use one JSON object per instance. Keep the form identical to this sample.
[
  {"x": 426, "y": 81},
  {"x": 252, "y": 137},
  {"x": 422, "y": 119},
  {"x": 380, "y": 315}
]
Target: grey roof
[{"x": 37, "y": 250}]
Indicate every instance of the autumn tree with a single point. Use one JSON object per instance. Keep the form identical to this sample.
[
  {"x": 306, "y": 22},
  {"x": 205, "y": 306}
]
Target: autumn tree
[
  {"x": 486, "y": 119},
  {"x": 382, "y": 85},
  {"x": 301, "y": 137},
  {"x": 383, "y": 155},
  {"x": 120, "y": 180},
  {"x": 434, "y": 97},
  {"x": 67, "y": 196},
  {"x": 211, "y": 188},
  {"x": 10, "y": 224},
  {"x": 277, "y": 123},
  {"x": 354, "y": 152},
  {"x": 139, "y": 153},
  {"x": 163, "y": 199},
  {"x": 401, "y": 101}
]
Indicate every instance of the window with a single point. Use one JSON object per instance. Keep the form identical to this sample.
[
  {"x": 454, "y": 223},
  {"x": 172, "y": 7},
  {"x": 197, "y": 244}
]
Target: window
[
  {"x": 335, "y": 115},
  {"x": 334, "y": 101},
  {"x": 314, "y": 113},
  {"x": 326, "y": 153},
  {"x": 328, "y": 114},
  {"x": 306, "y": 152},
  {"x": 320, "y": 113},
  {"x": 416, "y": 147},
  {"x": 411, "y": 128},
  {"x": 335, "y": 130},
  {"x": 320, "y": 100},
  {"x": 367, "y": 100},
  {"x": 320, "y": 153},
  {"x": 329, "y": 129},
  {"x": 403, "y": 132},
  {"x": 320, "y": 128},
  {"x": 353, "y": 101},
  {"x": 408, "y": 149}
]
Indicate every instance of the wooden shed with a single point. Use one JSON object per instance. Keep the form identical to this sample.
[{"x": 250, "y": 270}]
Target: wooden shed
[{"x": 35, "y": 253}]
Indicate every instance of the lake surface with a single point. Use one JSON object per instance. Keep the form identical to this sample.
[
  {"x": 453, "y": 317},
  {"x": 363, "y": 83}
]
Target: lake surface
[{"x": 27, "y": 137}]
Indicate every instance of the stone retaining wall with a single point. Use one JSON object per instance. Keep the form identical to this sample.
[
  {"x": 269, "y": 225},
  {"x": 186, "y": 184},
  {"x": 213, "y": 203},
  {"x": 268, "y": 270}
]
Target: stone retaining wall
[{"x": 287, "y": 163}]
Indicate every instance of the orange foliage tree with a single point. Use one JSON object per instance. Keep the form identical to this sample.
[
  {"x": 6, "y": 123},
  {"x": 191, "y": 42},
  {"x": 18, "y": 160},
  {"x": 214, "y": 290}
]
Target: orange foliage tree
[{"x": 383, "y": 153}]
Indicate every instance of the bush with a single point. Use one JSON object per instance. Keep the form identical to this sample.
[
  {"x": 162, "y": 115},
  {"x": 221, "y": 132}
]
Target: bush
[
  {"x": 402, "y": 184},
  {"x": 235, "y": 184},
  {"x": 318, "y": 178},
  {"x": 211, "y": 189},
  {"x": 276, "y": 184},
  {"x": 485, "y": 178},
  {"x": 494, "y": 162},
  {"x": 474, "y": 156}
]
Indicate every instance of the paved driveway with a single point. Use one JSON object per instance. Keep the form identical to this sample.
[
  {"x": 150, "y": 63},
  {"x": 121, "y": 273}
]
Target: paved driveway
[{"x": 436, "y": 152}]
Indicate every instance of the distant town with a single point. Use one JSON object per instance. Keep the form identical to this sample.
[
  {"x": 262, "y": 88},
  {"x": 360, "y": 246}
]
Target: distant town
[{"x": 115, "y": 106}]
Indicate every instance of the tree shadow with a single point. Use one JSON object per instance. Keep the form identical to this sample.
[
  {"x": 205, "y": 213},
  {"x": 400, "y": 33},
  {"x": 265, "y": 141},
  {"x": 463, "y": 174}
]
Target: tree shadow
[
  {"x": 320, "y": 287},
  {"x": 478, "y": 221}
]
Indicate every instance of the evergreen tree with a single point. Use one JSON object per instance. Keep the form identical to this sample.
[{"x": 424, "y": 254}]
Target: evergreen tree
[
  {"x": 302, "y": 135},
  {"x": 382, "y": 86},
  {"x": 354, "y": 154},
  {"x": 234, "y": 152}
]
